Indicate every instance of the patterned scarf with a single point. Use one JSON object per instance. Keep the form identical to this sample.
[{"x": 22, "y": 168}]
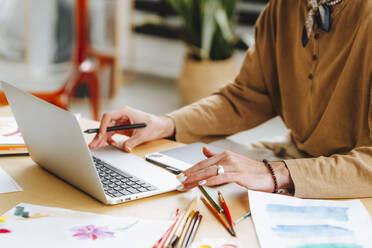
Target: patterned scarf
[{"x": 320, "y": 11}]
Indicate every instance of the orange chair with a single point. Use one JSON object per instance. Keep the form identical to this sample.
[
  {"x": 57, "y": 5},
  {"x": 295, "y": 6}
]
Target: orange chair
[{"x": 87, "y": 64}]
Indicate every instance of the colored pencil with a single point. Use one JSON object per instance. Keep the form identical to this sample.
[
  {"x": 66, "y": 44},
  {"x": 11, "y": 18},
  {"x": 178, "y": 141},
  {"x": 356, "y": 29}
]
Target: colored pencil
[
  {"x": 218, "y": 216},
  {"x": 185, "y": 230},
  {"x": 226, "y": 210},
  {"x": 243, "y": 217},
  {"x": 171, "y": 234},
  {"x": 195, "y": 229},
  {"x": 161, "y": 241},
  {"x": 177, "y": 234},
  {"x": 192, "y": 224},
  {"x": 210, "y": 199}
]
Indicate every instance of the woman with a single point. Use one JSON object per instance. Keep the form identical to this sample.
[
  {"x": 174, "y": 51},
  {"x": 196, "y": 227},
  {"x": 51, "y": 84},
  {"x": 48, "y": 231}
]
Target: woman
[{"x": 312, "y": 65}]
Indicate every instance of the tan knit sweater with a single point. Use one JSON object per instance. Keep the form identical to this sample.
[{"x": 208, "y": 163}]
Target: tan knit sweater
[{"x": 322, "y": 93}]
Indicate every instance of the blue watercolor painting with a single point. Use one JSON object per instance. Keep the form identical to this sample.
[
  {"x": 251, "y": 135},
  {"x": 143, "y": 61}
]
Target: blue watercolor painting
[
  {"x": 331, "y": 245},
  {"x": 279, "y": 211},
  {"x": 309, "y": 231}
]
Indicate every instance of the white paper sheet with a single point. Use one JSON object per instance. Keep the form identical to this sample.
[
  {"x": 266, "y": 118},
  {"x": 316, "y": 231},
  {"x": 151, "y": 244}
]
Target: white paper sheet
[
  {"x": 284, "y": 221},
  {"x": 7, "y": 184},
  {"x": 28, "y": 225}
]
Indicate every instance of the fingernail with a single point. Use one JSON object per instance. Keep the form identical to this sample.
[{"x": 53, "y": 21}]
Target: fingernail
[
  {"x": 99, "y": 135},
  {"x": 180, "y": 187},
  {"x": 202, "y": 182},
  {"x": 129, "y": 150},
  {"x": 182, "y": 179},
  {"x": 180, "y": 175}
]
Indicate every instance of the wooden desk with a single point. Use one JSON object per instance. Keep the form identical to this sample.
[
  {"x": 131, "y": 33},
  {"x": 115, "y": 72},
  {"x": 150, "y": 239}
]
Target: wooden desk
[{"x": 42, "y": 188}]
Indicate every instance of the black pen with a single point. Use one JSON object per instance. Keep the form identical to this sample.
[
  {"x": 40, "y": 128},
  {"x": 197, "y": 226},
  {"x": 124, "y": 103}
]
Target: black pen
[{"x": 116, "y": 128}]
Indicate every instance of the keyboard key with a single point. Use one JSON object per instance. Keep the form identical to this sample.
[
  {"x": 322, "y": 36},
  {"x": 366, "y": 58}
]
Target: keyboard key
[
  {"x": 151, "y": 188},
  {"x": 125, "y": 192},
  {"x": 117, "y": 188},
  {"x": 132, "y": 190}
]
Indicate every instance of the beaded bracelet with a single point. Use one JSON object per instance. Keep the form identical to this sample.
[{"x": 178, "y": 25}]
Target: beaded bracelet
[{"x": 272, "y": 174}]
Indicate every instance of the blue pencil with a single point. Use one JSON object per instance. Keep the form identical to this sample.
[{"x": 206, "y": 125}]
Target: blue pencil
[{"x": 243, "y": 217}]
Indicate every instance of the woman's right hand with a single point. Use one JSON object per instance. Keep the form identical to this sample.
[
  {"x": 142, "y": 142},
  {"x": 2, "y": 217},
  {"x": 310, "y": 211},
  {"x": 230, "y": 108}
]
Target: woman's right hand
[{"x": 157, "y": 127}]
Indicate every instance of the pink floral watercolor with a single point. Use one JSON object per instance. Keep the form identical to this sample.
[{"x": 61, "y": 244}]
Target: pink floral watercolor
[
  {"x": 92, "y": 232},
  {"x": 4, "y": 231}
]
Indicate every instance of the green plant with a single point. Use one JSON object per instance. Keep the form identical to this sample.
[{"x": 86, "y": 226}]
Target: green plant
[{"x": 208, "y": 27}]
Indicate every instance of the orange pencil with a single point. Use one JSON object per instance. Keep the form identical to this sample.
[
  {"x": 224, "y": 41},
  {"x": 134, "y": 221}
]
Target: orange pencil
[
  {"x": 226, "y": 210},
  {"x": 218, "y": 216}
]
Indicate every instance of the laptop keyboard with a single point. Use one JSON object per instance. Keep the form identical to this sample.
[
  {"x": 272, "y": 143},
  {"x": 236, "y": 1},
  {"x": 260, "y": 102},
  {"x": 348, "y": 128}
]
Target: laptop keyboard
[{"x": 117, "y": 183}]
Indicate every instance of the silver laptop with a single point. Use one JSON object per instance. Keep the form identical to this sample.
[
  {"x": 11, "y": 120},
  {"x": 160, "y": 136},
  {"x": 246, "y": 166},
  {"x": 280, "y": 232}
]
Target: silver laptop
[{"x": 55, "y": 141}]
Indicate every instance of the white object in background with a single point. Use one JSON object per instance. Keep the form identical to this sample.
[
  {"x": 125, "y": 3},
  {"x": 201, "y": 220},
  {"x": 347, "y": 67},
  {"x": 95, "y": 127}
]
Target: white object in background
[
  {"x": 37, "y": 226},
  {"x": 7, "y": 184},
  {"x": 284, "y": 221},
  {"x": 9, "y": 132}
]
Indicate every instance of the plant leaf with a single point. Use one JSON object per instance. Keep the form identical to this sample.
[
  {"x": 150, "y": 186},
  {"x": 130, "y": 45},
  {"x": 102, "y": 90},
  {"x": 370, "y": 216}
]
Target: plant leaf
[
  {"x": 209, "y": 27},
  {"x": 223, "y": 24}
]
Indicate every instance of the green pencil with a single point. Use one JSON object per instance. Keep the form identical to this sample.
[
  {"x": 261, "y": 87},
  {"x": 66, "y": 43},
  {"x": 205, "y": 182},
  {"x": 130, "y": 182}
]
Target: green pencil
[{"x": 215, "y": 205}]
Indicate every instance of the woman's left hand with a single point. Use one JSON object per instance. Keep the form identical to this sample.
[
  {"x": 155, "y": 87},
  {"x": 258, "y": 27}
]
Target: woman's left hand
[{"x": 239, "y": 169}]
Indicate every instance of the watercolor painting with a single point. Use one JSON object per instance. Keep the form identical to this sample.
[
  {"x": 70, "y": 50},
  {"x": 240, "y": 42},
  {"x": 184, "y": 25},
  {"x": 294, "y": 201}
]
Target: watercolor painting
[
  {"x": 20, "y": 212},
  {"x": 280, "y": 211},
  {"x": 308, "y": 231},
  {"x": 331, "y": 245},
  {"x": 283, "y": 221},
  {"x": 61, "y": 228},
  {"x": 3, "y": 230},
  {"x": 3, "y": 218},
  {"x": 92, "y": 232}
]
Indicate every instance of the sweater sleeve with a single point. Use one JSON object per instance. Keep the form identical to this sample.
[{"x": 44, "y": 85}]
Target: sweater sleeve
[
  {"x": 238, "y": 106},
  {"x": 337, "y": 176},
  {"x": 346, "y": 175}
]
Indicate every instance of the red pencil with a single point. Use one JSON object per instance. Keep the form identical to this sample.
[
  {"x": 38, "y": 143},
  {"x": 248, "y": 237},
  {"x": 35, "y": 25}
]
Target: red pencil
[
  {"x": 217, "y": 215},
  {"x": 226, "y": 210}
]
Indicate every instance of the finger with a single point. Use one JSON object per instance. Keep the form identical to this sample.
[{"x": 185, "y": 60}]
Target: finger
[
  {"x": 204, "y": 164},
  {"x": 97, "y": 140},
  {"x": 94, "y": 142},
  {"x": 207, "y": 152},
  {"x": 111, "y": 116},
  {"x": 132, "y": 142},
  {"x": 111, "y": 141},
  {"x": 222, "y": 179},
  {"x": 194, "y": 179},
  {"x": 103, "y": 140},
  {"x": 212, "y": 181}
]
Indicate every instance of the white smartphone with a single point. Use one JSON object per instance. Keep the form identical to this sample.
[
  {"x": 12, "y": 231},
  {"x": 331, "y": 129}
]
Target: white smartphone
[{"x": 179, "y": 159}]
